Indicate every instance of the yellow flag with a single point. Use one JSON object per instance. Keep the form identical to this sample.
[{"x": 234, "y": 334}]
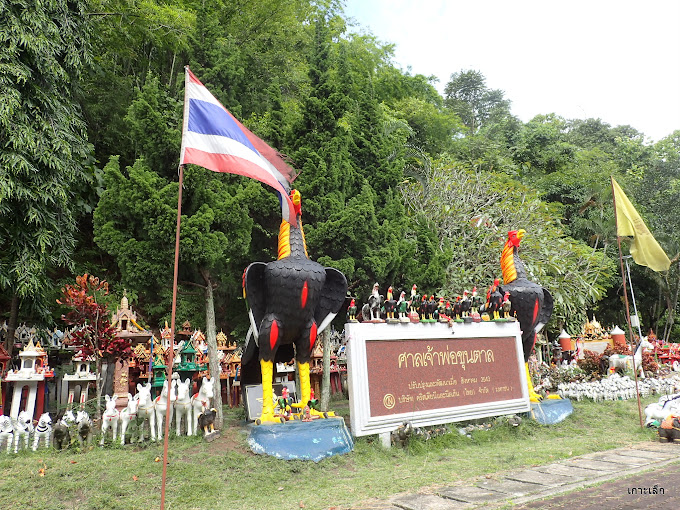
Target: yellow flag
[{"x": 645, "y": 250}]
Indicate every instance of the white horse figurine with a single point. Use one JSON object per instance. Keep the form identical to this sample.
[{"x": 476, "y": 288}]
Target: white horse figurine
[
  {"x": 167, "y": 398},
  {"x": 6, "y": 431},
  {"x": 667, "y": 405},
  {"x": 23, "y": 427},
  {"x": 183, "y": 405},
  {"x": 201, "y": 400},
  {"x": 145, "y": 410},
  {"x": 84, "y": 426},
  {"x": 110, "y": 419},
  {"x": 42, "y": 430},
  {"x": 625, "y": 361},
  {"x": 128, "y": 414}
]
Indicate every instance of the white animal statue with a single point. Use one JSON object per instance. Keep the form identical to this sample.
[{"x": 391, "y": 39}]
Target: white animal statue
[
  {"x": 666, "y": 406},
  {"x": 84, "y": 426},
  {"x": 146, "y": 410},
  {"x": 202, "y": 400},
  {"x": 6, "y": 432},
  {"x": 110, "y": 419},
  {"x": 23, "y": 427},
  {"x": 127, "y": 415},
  {"x": 183, "y": 406},
  {"x": 167, "y": 398},
  {"x": 656, "y": 411},
  {"x": 625, "y": 361},
  {"x": 42, "y": 430}
]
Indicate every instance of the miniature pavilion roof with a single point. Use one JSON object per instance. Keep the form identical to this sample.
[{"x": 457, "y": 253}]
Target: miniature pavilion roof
[
  {"x": 233, "y": 357},
  {"x": 198, "y": 338},
  {"x": 4, "y": 355},
  {"x": 188, "y": 348},
  {"x": 32, "y": 349},
  {"x": 125, "y": 322},
  {"x": 78, "y": 356},
  {"x": 166, "y": 332},
  {"x": 141, "y": 353},
  {"x": 186, "y": 329}
]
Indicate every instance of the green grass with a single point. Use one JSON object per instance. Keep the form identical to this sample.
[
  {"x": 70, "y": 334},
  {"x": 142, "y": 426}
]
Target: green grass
[{"x": 225, "y": 474}]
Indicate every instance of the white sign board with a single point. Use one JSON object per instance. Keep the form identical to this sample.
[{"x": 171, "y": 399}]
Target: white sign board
[{"x": 433, "y": 373}]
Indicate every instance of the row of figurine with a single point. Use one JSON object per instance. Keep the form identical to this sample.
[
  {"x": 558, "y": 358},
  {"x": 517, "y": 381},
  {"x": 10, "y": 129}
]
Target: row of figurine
[
  {"x": 466, "y": 308},
  {"x": 194, "y": 410},
  {"x": 286, "y": 409}
]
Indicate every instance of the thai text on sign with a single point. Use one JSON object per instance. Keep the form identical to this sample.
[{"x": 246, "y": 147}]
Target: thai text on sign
[{"x": 420, "y": 375}]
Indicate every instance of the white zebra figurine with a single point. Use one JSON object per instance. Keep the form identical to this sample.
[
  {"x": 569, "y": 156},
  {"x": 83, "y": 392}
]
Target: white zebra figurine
[
  {"x": 201, "y": 400},
  {"x": 183, "y": 406},
  {"x": 145, "y": 411},
  {"x": 128, "y": 414},
  {"x": 167, "y": 398},
  {"x": 110, "y": 418},
  {"x": 6, "y": 431},
  {"x": 42, "y": 430},
  {"x": 23, "y": 427}
]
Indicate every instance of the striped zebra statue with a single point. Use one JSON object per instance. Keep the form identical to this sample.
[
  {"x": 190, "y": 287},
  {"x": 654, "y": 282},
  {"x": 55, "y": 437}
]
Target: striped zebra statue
[{"x": 42, "y": 430}]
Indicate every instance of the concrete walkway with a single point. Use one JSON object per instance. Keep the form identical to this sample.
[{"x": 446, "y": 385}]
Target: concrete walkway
[{"x": 649, "y": 461}]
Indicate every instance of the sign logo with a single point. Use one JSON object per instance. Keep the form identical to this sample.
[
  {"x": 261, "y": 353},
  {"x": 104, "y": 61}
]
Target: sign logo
[{"x": 388, "y": 401}]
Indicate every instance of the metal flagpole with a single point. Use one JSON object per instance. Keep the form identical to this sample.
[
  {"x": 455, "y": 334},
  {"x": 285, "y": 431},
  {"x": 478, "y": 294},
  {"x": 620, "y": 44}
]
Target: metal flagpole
[
  {"x": 632, "y": 295},
  {"x": 172, "y": 338},
  {"x": 625, "y": 299}
]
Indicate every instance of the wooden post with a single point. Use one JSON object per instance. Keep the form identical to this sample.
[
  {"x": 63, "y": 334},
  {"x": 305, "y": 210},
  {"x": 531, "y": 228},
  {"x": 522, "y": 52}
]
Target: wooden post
[{"x": 171, "y": 357}]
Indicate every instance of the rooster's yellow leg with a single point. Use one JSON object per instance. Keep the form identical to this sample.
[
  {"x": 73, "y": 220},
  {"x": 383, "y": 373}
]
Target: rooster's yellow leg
[
  {"x": 267, "y": 368},
  {"x": 305, "y": 386},
  {"x": 533, "y": 396},
  {"x": 306, "y": 390}
]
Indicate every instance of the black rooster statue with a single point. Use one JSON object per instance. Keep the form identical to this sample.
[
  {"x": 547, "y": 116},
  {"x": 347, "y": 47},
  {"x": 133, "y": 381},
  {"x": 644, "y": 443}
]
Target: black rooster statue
[
  {"x": 531, "y": 303},
  {"x": 290, "y": 300}
]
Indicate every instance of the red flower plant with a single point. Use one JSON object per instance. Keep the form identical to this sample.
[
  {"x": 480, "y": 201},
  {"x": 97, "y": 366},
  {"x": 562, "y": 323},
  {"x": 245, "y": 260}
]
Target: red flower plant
[{"x": 89, "y": 313}]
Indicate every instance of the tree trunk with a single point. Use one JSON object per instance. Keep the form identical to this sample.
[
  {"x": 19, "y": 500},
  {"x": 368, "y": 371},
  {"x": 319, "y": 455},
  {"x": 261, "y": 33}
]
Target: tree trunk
[
  {"x": 100, "y": 383},
  {"x": 326, "y": 374},
  {"x": 211, "y": 339},
  {"x": 12, "y": 325}
]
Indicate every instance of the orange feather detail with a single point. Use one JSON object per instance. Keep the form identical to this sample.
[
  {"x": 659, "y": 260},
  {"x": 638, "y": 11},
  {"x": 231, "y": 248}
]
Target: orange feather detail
[{"x": 508, "y": 264}]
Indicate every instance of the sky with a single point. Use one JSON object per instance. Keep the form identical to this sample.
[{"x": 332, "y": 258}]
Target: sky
[{"x": 616, "y": 60}]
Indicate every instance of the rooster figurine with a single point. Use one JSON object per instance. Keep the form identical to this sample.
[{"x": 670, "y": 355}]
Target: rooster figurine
[
  {"x": 531, "y": 303},
  {"x": 352, "y": 311},
  {"x": 475, "y": 302},
  {"x": 422, "y": 310},
  {"x": 457, "y": 310},
  {"x": 402, "y": 307},
  {"x": 507, "y": 306},
  {"x": 495, "y": 299},
  {"x": 415, "y": 298},
  {"x": 291, "y": 300},
  {"x": 465, "y": 306},
  {"x": 390, "y": 306}
]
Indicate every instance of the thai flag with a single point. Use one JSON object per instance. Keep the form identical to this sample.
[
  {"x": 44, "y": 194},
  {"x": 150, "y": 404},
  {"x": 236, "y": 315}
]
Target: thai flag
[{"x": 214, "y": 139}]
